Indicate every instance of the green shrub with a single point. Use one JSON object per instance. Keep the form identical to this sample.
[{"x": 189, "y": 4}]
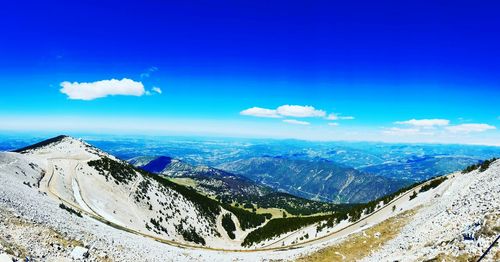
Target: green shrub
[
  {"x": 278, "y": 226},
  {"x": 486, "y": 164},
  {"x": 121, "y": 172},
  {"x": 228, "y": 225},
  {"x": 190, "y": 235},
  {"x": 248, "y": 205},
  {"x": 482, "y": 166},
  {"x": 414, "y": 195},
  {"x": 434, "y": 183},
  {"x": 247, "y": 219},
  {"x": 70, "y": 210}
]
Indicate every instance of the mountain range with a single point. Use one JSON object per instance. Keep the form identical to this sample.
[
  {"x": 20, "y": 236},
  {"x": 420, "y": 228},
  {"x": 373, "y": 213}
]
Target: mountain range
[
  {"x": 321, "y": 179},
  {"x": 231, "y": 188}
]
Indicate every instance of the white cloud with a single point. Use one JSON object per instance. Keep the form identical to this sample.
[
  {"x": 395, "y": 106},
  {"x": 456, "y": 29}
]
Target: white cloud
[
  {"x": 103, "y": 88},
  {"x": 425, "y": 123},
  {"x": 260, "y": 112},
  {"x": 284, "y": 110},
  {"x": 295, "y": 122},
  {"x": 299, "y": 111},
  {"x": 156, "y": 89},
  {"x": 396, "y": 131},
  {"x": 468, "y": 128}
]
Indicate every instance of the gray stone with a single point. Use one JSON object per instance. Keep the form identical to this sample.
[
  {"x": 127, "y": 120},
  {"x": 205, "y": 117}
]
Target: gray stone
[{"x": 79, "y": 253}]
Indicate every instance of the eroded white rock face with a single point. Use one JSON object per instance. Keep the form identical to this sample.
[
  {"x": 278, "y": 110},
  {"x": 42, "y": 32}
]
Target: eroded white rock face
[{"x": 455, "y": 223}]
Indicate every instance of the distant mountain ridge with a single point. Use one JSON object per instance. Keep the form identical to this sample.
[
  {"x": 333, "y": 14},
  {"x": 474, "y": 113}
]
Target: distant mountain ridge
[
  {"x": 320, "y": 179},
  {"x": 421, "y": 167}
]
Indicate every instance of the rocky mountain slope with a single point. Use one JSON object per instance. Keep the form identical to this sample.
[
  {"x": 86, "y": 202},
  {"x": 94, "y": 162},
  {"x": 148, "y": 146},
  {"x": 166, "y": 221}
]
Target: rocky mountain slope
[
  {"x": 87, "y": 179},
  {"x": 457, "y": 225},
  {"x": 322, "y": 180}
]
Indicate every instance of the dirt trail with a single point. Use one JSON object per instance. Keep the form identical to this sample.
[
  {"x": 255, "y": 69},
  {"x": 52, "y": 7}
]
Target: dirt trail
[{"x": 374, "y": 218}]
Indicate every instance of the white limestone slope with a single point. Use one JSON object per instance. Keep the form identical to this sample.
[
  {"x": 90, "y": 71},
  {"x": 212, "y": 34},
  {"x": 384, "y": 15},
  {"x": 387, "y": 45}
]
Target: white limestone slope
[
  {"x": 459, "y": 222},
  {"x": 136, "y": 204}
]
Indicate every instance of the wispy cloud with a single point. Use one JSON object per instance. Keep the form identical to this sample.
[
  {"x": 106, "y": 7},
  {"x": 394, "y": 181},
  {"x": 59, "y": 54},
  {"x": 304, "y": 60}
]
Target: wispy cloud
[
  {"x": 334, "y": 116},
  {"x": 295, "y": 111},
  {"x": 284, "y": 111},
  {"x": 260, "y": 112},
  {"x": 425, "y": 123},
  {"x": 156, "y": 89},
  {"x": 149, "y": 71},
  {"x": 396, "y": 131},
  {"x": 435, "y": 126},
  {"x": 296, "y": 122},
  {"x": 469, "y": 128},
  {"x": 103, "y": 88}
]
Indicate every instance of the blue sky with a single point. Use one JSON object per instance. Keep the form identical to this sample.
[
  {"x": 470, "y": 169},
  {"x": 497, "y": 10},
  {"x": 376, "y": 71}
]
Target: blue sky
[{"x": 394, "y": 71}]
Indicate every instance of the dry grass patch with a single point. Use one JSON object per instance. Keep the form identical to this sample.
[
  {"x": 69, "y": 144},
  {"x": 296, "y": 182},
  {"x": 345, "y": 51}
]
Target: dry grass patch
[
  {"x": 491, "y": 227},
  {"x": 361, "y": 244},
  {"x": 188, "y": 182},
  {"x": 449, "y": 258},
  {"x": 275, "y": 212},
  {"x": 12, "y": 248},
  {"x": 60, "y": 239}
]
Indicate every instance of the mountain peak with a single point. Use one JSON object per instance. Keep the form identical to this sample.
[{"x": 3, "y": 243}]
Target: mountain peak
[
  {"x": 44, "y": 143},
  {"x": 62, "y": 145}
]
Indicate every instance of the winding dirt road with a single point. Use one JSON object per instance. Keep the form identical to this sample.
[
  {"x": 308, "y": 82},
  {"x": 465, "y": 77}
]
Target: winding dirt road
[{"x": 374, "y": 218}]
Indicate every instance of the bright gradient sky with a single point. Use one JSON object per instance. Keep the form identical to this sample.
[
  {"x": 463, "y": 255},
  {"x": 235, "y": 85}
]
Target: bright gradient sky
[{"x": 426, "y": 71}]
